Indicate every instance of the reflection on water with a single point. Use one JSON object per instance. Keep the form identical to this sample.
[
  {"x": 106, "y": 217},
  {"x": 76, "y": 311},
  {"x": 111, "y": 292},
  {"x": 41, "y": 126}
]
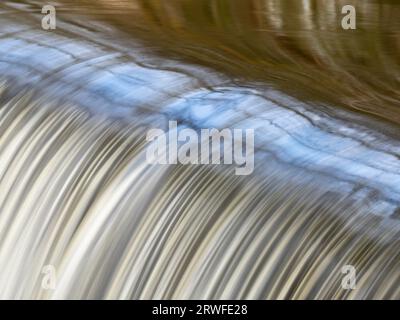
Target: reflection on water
[
  {"x": 296, "y": 46},
  {"x": 77, "y": 193}
]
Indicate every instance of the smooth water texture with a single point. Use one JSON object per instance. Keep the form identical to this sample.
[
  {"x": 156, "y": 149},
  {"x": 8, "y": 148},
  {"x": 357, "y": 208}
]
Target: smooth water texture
[{"x": 77, "y": 193}]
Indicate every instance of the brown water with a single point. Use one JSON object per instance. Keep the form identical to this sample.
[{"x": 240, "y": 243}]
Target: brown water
[
  {"x": 76, "y": 192},
  {"x": 295, "y": 46}
]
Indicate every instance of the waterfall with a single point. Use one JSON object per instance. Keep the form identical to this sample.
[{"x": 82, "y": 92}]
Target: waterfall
[{"x": 77, "y": 194}]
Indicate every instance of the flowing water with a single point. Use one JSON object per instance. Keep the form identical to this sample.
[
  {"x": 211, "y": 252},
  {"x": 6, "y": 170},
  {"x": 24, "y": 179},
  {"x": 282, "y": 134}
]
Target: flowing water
[{"x": 77, "y": 194}]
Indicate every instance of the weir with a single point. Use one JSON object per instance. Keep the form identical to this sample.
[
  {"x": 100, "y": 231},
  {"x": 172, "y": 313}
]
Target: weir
[{"x": 77, "y": 193}]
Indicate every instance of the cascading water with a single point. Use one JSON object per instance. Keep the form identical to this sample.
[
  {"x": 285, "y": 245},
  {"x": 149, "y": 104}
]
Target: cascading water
[{"x": 77, "y": 194}]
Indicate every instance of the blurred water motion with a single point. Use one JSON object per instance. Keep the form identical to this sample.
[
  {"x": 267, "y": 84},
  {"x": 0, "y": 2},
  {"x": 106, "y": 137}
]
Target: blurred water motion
[
  {"x": 76, "y": 192},
  {"x": 296, "y": 46}
]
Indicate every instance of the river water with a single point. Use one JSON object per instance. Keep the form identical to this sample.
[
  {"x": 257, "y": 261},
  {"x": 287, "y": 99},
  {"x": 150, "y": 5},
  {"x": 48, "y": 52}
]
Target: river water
[{"x": 77, "y": 194}]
